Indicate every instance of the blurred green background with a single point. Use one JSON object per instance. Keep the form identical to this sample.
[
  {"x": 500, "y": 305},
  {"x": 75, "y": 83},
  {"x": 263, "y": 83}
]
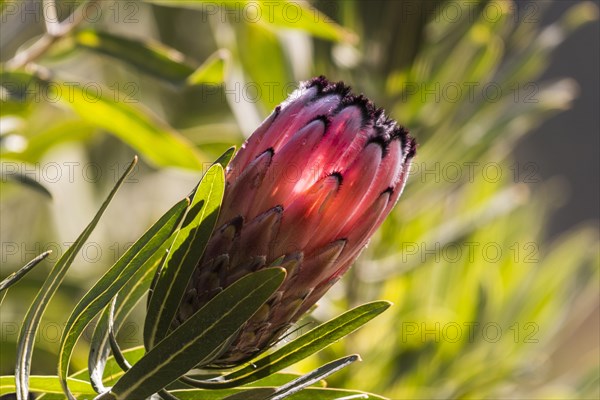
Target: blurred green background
[{"x": 491, "y": 256}]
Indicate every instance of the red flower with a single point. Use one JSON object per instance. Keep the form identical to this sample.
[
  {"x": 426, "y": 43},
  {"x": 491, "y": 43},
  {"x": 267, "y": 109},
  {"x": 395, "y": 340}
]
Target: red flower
[{"x": 310, "y": 186}]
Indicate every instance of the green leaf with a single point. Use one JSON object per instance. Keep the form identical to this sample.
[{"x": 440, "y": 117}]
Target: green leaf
[
  {"x": 297, "y": 350},
  {"x": 128, "y": 297},
  {"x": 212, "y": 71},
  {"x": 287, "y": 14},
  {"x": 18, "y": 275},
  {"x": 112, "y": 370},
  {"x": 240, "y": 394},
  {"x": 155, "y": 58},
  {"x": 257, "y": 44},
  {"x": 149, "y": 56},
  {"x": 27, "y": 181},
  {"x": 314, "y": 376},
  {"x": 16, "y": 85},
  {"x": 194, "y": 342},
  {"x": 46, "y": 384},
  {"x": 118, "y": 355},
  {"x": 184, "y": 255},
  {"x": 280, "y": 379},
  {"x": 264, "y": 392},
  {"x": 159, "y": 143},
  {"x": 334, "y": 394},
  {"x": 119, "y": 114},
  {"x": 225, "y": 158},
  {"x": 113, "y": 280},
  {"x": 51, "y": 385},
  {"x": 34, "y": 313}
]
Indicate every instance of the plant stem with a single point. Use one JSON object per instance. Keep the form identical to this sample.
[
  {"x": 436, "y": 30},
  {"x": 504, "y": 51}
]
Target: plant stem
[
  {"x": 54, "y": 31},
  {"x": 51, "y": 17}
]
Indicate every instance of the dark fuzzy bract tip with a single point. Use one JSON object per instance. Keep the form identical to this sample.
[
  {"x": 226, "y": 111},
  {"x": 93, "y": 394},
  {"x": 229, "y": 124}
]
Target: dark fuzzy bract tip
[{"x": 385, "y": 128}]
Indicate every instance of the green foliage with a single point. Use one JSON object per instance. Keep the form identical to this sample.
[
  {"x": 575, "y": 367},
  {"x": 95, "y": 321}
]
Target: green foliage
[
  {"x": 198, "y": 340},
  {"x": 135, "y": 126},
  {"x": 306, "y": 18},
  {"x": 479, "y": 324},
  {"x": 304, "y": 346},
  {"x": 51, "y": 284},
  {"x": 187, "y": 248},
  {"x": 115, "y": 279},
  {"x": 20, "y": 274}
]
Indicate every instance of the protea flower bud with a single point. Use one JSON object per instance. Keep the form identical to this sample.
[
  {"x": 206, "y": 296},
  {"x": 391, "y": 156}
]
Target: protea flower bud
[{"x": 308, "y": 188}]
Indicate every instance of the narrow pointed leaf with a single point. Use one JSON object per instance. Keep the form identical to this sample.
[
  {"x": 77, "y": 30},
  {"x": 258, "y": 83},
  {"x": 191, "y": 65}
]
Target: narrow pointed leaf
[
  {"x": 34, "y": 313},
  {"x": 120, "y": 358},
  {"x": 185, "y": 252},
  {"x": 115, "y": 278},
  {"x": 297, "y": 350},
  {"x": 153, "y": 58},
  {"x": 312, "y": 377},
  {"x": 117, "y": 111},
  {"x": 159, "y": 143},
  {"x": 194, "y": 341},
  {"x": 27, "y": 181},
  {"x": 276, "y": 379},
  {"x": 212, "y": 71},
  {"x": 225, "y": 158},
  {"x": 17, "y": 275},
  {"x": 263, "y": 392},
  {"x": 128, "y": 297}
]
